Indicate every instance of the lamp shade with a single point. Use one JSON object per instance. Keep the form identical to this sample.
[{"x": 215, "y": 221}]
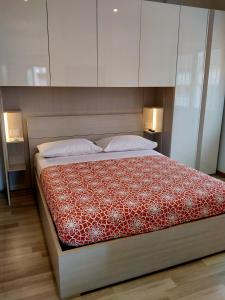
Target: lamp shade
[
  {"x": 13, "y": 126},
  {"x": 153, "y": 119}
]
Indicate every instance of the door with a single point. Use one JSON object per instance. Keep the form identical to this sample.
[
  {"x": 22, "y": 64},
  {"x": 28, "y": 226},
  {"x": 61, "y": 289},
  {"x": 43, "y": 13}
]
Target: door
[
  {"x": 159, "y": 40},
  {"x": 189, "y": 84},
  {"x": 118, "y": 42},
  {"x": 72, "y": 42}
]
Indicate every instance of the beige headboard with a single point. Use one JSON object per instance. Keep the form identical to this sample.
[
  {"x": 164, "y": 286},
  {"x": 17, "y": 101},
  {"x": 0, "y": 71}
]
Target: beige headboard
[{"x": 52, "y": 128}]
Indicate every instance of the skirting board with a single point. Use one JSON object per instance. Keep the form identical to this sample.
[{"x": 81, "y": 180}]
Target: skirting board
[
  {"x": 221, "y": 174},
  {"x": 90, "y": 267}
]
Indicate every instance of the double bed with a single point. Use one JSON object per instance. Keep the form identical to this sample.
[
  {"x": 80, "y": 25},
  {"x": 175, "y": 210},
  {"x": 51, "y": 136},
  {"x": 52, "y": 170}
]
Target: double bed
[{"x": 109, "y": 217}]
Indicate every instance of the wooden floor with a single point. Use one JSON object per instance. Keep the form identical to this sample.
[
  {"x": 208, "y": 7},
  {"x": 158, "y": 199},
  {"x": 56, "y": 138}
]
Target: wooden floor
[{"x": 25, "y": 271}]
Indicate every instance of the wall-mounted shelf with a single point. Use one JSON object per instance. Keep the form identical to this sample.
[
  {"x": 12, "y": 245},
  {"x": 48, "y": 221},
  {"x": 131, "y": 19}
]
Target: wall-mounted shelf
[
  {"x": 17, "y": 167},
  {"x": 15, "y": 140}
]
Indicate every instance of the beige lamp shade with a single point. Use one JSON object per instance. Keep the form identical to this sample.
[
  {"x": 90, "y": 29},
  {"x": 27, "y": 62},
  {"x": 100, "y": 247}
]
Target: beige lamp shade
[
  {"x": 13, "y": 126},
  {"x": 153, "y": 119}
]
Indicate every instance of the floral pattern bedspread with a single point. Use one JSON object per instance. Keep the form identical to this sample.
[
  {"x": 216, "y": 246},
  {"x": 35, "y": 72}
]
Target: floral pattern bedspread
[{"x": 102, "y": 200}]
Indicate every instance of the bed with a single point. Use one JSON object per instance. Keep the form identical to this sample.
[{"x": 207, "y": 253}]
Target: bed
[{"x": 99, "y": 259}]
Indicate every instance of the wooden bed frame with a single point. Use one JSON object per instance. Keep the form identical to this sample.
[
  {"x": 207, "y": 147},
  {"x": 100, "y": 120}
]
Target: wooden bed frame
[{"x": 89, "y": 267}]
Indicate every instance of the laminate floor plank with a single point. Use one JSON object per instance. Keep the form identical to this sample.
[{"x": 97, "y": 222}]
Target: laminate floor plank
[
  {"x": 214, "y": 259},
  {"x": 15, "y": 252},
  {"x": 214, "y": 293}
]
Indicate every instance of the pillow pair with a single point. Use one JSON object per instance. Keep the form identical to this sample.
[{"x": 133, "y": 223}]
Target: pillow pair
[{"x": 83, "y": 146}]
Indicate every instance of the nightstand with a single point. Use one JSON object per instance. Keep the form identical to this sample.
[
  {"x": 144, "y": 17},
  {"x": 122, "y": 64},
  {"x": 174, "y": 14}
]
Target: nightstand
[
  {"x": 156, "y": 137},
  {"x": 13, "y": 151}
]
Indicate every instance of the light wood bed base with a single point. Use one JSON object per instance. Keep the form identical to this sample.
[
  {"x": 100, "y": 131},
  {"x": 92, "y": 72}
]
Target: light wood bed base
[{"x": 89, "y": 267}]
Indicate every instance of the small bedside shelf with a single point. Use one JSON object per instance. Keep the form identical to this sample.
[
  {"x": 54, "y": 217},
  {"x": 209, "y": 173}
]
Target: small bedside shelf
[
  {"x": 152, "y": 132},
  {"x": 14, "y": 151},
  {"x": 15, "y": 141},
  {"x": 156, "y": 137},
  {"x": 16, "y": 167}
]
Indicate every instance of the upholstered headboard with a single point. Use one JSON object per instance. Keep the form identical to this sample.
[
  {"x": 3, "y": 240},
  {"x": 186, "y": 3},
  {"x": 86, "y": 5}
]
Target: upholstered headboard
[{"x": 52, "y": 128}]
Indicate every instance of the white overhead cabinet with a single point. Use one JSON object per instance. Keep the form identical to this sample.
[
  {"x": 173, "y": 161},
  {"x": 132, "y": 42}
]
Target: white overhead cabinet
[
  {"x": 24, "y": 57},
  {"x": 189, "y": 84},
  {"x": 72, "y": 42},
  {"x": 214, "y": 101},
  {"x": 159, "y": 40},
  {"x": 118, "y": 42}
]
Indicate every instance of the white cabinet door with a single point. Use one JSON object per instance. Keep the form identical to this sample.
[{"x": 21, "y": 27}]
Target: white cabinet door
[
  {"x": 159, "y": 39},
  {"x": 189, "y": 84},
  {"x": 118, "y": 42},
  {"x": 24, "y": 57},
  {"x": 72, "y": 42},
  {"x": 214, "y": 102}
]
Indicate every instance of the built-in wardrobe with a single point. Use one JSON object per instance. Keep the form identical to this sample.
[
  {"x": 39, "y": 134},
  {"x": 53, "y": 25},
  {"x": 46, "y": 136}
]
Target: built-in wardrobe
[{"x": 122, "y": 44}]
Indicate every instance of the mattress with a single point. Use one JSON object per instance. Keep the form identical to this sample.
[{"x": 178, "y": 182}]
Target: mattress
[
  {"x": 41, "y": 162},
  {"x": 108, "y": 198}
]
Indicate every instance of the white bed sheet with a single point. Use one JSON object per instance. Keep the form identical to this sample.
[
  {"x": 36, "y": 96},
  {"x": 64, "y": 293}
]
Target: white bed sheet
[{"x": 40, "y": 162}]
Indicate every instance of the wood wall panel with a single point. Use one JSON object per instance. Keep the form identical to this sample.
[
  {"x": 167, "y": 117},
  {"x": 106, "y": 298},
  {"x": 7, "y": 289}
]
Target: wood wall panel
[
  {"x": 77, "y": 101},
  {"x": 82, "y": 101},
  {"x": 69, "y": 101}
]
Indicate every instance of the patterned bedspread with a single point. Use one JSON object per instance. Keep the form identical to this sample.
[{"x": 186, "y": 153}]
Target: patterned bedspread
[{"x": 97, "y": 201}]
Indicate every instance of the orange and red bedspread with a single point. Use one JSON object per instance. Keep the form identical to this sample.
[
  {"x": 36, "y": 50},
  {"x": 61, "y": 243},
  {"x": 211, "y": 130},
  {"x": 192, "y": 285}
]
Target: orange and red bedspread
[{"x": 102, "y": 200}]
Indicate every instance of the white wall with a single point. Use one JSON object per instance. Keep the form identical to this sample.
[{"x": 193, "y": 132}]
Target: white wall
[{"x": 221, "y": 162}]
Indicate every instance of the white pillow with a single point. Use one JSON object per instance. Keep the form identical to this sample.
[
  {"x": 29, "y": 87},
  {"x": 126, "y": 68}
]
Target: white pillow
[
  {"x": 68, "y": 148},
  {"x": 125, "y": 143}
]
